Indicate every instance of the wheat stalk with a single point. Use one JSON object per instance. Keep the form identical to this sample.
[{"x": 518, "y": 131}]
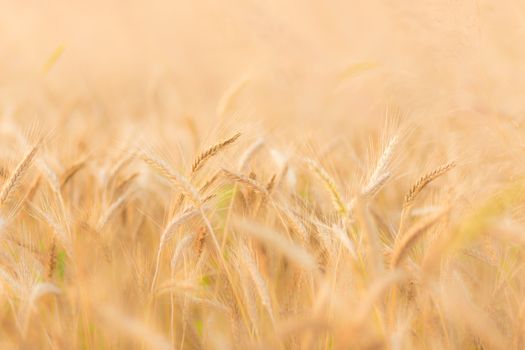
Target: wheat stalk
[{"x": 249, "y": 154}]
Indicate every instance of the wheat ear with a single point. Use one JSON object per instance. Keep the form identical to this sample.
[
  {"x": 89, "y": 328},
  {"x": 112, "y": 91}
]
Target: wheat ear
[
  {"x": 246, "y": 181},
  {"x": 179, "y": 181},
  {"x": 425, "y": 180},
  {"x": 249, "y": 153},
  {"x": 209, "y": 182},
  {"x": 112, "y": 210},
  {"x": 329, "y": 185},
  {"x": 182, "y": 245},
  {"x": 52, "y": 259},
  {"x": 416, "y": 189},
  {"x": 71, "y": 171},
  {"x": 271, "y": 184},
  {"x": 383, "y": 162},
  {"x": 17, "y": 174},
  {"x": 258, "y": 280},
  {"x": 201, "y": 159},
  {"x": 167, "y": 234},
  {"x": 403, "y": 245}
]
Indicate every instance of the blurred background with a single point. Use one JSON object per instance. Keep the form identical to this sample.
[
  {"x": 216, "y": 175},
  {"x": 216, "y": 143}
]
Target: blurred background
[{"x": 274, "y": 60}]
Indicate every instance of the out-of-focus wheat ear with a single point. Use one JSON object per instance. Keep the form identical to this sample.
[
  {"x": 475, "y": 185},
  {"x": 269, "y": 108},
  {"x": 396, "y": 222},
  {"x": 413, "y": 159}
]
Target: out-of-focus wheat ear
[
  {"x": 179, "y": 181},
  {"x": 133, "y": 328},
  {"x": 458, "y": 307},
  {"x": 380, "y": 175},
  {"x": 23, "y": 245},
  {"x": 404, "y": 243},
  {"x": 209, "y": 182},
  {"x": 292, "y": 251},
  {"x": 167, "y": 234},
  {"x": 245, "y": 180},
  {"x": 201, "y": 159},
  {"x": 112, "y": 210},
  {"x": 249, "y": 294},
  {"x": 60, "y": 233},
  {"x": 4, "y": 173},
  {"x": 259, "y": 282},
  {"x": 373, "y": 188},
  {"x": 200, "y": 240},
  {"x": 119, "y": 165},
  {"x": 176, "y": 222},
  {"x": 373, "y": 244},
  {"x": 37, "y": 291},
  {"x": 271, "y": 184},
  {"x": 250, "y": 153},
  {"x": 34, "y": 188},
  {"x": 296, "y": 223},
  {"x": 341, "y": 234},
  {"x": 50, "y": 175},
  {"x": 329, "y": 184},
  {"x": 52, "y": 262},
  {"x": 125, "y": 184},
  {"x": 16, "y": 176},
  {"x": 178, "y": 252},
  {"x": 380, "y": 286},
  {"x": 383, "y": 162},
  {"x": 71, "y": 171}
]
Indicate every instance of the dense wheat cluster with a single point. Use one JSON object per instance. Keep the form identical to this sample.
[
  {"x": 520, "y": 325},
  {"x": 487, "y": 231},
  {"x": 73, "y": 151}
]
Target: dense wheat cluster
[{"x": 262, "y": 175}]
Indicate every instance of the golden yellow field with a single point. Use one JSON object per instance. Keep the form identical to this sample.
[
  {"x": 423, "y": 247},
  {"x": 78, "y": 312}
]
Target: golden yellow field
[{"x": 248, "y": 174}]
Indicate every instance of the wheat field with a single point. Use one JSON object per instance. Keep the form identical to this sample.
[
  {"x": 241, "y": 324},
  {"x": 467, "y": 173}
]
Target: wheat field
[{"x": 251, "y": 174}]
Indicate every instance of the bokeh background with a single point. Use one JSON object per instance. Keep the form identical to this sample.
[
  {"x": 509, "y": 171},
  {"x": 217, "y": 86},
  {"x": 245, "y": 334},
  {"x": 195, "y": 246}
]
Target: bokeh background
[{"x": 285, "y": 60}]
